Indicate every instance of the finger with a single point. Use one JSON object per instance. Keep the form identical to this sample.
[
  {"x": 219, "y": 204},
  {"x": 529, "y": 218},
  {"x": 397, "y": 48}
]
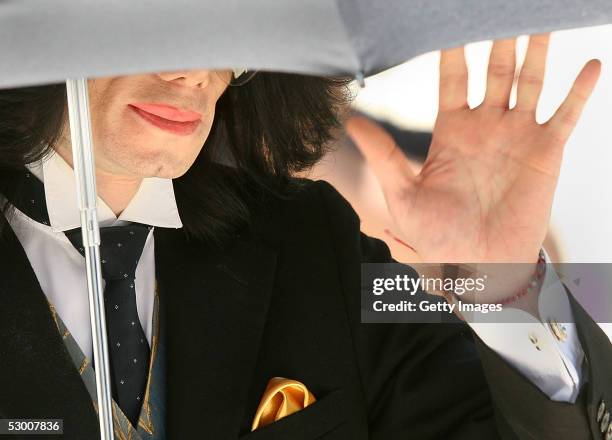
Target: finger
[
  {"x": 384, "y": 157},
  {"x": 453, "y": 80},
  {"x": 500, "y": 76},
  {"x": 566, "y": 117},
  {"x": 532, "y": 73}
]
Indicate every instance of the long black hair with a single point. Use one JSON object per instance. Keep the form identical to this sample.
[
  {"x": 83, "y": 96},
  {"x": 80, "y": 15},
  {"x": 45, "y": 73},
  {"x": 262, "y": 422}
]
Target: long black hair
[{"x": 268, "y": 129}]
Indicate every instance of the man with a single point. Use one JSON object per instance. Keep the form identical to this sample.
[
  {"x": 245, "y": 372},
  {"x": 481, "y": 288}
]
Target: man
[{"x": 256, "y": 302}]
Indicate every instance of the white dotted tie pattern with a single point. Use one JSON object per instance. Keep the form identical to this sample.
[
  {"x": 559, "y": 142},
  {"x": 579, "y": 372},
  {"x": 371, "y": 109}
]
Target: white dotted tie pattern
[{"x": 129, "y": 352}]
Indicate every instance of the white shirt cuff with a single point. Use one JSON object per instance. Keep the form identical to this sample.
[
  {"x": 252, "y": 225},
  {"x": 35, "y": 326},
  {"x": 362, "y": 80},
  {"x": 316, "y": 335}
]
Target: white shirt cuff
[{"x": 547, "y": 352}]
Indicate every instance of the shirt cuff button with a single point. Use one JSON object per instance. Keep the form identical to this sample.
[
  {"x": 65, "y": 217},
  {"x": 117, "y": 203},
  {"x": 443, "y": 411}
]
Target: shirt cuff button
[{"x": 558, "y": 330}]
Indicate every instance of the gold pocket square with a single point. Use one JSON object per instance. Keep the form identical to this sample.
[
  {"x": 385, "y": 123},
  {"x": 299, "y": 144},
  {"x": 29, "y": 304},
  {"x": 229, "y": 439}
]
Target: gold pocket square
[{"x": 281, "y": 398}]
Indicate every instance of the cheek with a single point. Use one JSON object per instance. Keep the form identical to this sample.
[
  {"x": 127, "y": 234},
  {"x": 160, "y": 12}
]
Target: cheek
[
  {"x": 100, "y": 98},
  {"x": 106, "y": 118}
]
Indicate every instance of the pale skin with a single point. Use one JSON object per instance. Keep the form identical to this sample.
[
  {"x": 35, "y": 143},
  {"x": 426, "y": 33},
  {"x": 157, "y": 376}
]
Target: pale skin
[
  {"x": 128, "y": 149},
  {"x": 485, "y": 192}
]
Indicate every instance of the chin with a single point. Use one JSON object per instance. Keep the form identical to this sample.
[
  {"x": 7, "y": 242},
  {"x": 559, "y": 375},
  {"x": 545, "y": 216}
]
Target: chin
[
  {"x": 165, "y": 172},
  {"x": 163, "y": 166},
  {"x": 158, "y": 161},
  {"x": 150, "y": 153}
]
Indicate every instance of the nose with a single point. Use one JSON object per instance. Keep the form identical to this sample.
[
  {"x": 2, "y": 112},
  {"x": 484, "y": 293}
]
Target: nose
[{"x": 187, "y": 78}]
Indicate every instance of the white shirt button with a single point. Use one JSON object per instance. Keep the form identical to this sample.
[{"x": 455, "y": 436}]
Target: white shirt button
[{"x": 534, "y": 340}]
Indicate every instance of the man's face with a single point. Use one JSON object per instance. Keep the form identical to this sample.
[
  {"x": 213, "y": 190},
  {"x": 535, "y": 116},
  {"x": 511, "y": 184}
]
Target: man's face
[{"x": 154, "y": 124}]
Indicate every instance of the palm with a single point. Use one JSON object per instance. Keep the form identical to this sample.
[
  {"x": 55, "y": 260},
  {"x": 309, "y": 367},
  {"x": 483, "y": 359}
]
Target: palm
[{"x": 486, "y": 188}]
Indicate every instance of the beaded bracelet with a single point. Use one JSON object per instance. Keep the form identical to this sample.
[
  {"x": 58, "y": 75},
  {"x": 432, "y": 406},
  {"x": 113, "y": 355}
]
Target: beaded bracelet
[{"x": 533, "y": 282}]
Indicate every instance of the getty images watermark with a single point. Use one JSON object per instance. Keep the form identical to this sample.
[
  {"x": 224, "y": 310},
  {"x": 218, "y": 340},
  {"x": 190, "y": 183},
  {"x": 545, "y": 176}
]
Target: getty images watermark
[
  {"x": 429, "y": 293},
  {"x": 410, "y": 285}
]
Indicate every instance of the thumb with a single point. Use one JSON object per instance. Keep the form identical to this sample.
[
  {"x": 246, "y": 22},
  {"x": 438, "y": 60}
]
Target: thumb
[{"x": 389, "y": 164}]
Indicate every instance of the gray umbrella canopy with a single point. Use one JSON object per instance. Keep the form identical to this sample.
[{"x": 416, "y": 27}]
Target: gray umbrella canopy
[
  {"x": 44, "y": 41},
  {"x": 49, "y": 41}
]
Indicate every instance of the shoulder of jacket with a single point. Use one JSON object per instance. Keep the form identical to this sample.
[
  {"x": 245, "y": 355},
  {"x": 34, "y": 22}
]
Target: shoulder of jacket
[
  {"x": 309, "y": 205},
  {"x": 322, "y": 196}
]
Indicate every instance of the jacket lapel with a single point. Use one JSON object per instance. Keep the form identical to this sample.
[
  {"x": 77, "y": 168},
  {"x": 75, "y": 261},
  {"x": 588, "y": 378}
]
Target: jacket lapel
[
  {"x": 215, "y": 304},
  {"x": 37, "y": 376}
]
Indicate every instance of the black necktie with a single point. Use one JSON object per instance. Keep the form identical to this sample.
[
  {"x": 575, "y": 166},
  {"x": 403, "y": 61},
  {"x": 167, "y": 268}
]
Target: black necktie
[{"x": 120, "y": 250}]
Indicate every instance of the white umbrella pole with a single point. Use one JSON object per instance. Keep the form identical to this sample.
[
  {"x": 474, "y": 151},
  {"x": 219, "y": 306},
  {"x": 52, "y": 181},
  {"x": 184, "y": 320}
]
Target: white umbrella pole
[{"x": 84, "y": 171}]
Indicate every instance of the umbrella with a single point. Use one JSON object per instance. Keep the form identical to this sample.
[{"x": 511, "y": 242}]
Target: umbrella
[{"x": 46, "y": 42}]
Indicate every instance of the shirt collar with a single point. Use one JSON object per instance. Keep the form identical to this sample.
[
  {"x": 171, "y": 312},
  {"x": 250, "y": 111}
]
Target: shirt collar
[{"x": 154, "y": 204}]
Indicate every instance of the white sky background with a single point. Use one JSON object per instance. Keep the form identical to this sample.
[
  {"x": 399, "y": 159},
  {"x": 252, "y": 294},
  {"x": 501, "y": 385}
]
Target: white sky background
[{"x": 582, "y": 212}]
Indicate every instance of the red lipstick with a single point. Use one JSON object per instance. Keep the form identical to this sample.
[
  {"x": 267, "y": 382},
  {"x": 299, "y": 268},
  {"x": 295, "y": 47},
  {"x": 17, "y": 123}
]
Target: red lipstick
[{"x": 168, "y": 118}]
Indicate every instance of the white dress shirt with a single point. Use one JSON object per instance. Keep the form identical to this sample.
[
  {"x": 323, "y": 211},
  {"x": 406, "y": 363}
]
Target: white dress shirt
[
  {"x": 553, "y": 365},
  {"x": 60, "y": 268}
]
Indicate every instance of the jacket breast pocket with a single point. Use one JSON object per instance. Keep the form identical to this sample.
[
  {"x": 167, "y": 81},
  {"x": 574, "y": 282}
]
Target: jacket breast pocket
[{"x": 310, "y": 423}]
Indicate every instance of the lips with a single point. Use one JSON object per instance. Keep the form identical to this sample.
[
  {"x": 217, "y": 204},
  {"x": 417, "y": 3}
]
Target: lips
[{"x": 168, "y": 118}]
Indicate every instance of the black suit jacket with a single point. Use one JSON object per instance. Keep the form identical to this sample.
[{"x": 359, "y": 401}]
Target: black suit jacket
[{"x": 283, "y": 300}]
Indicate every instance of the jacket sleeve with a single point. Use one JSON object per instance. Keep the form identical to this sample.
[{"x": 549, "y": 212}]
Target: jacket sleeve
[
  {"x": 528, "y": 411},
  {"x": 441, "y": 380}
]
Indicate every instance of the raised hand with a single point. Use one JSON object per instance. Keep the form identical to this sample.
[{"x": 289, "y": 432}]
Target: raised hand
[{"x": 485, "y": 191}]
